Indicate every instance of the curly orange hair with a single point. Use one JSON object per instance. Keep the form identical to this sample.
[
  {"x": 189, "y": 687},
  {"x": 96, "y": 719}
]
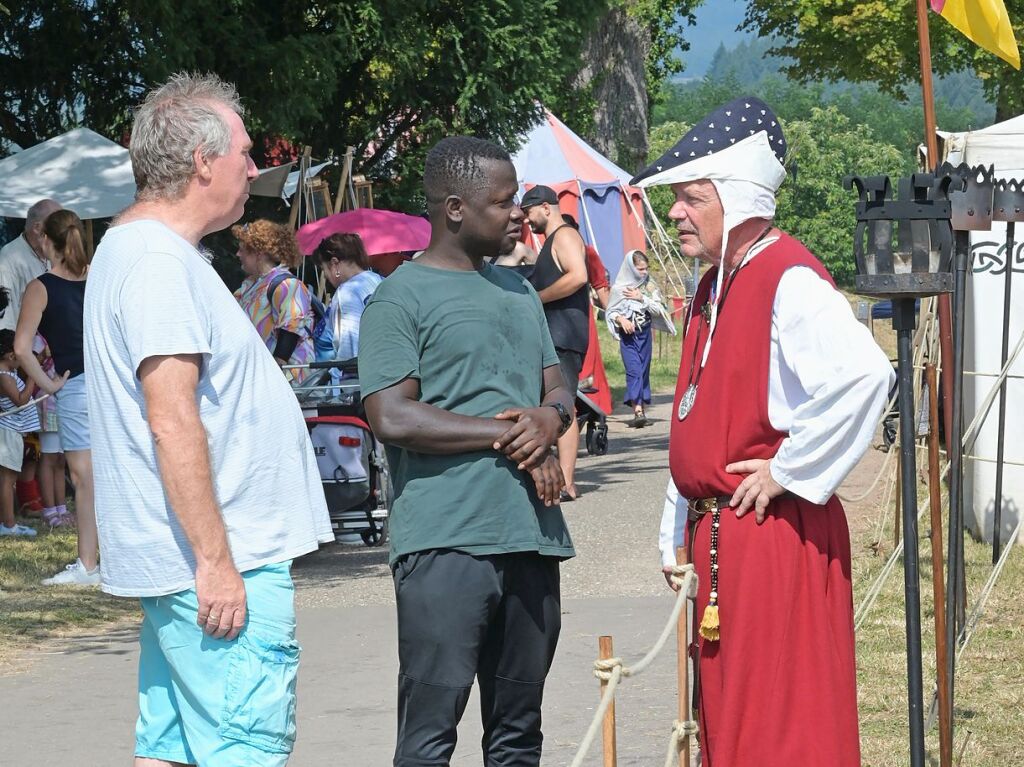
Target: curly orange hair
[{"x": 274, "y": 242}]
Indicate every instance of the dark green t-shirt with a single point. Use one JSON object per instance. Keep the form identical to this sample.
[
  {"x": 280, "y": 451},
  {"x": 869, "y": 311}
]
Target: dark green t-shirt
[{"x": 478, "y": 343}]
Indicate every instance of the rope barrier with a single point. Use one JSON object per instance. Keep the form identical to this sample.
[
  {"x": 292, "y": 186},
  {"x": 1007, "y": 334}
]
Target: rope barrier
[{"x": 612, "y": 670}]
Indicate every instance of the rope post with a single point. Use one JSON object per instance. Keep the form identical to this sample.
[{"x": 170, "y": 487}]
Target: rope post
[
  {"x": 683, "y": 665},
  {"x": 938, "y": 590},
  {"x": 604, "y": 647}
]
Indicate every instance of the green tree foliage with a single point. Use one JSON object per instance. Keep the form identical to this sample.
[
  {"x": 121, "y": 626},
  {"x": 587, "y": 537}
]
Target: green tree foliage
[
  {"x": 824, "y": 146},
  {"x": 386, "y": 76},
  {"x": 665, "y": 20},
  {"x": 893, "y": 121},
  {"x": 875, "y": 41}
]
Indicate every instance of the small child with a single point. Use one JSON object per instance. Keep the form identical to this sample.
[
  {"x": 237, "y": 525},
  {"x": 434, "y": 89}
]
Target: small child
[
  {"x": 51, "y": 462},
  {"x": 13, "y": 394}
]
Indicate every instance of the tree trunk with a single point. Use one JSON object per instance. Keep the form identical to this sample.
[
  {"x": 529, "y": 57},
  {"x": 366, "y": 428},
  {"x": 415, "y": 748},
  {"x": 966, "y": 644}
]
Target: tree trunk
[{"x": 614, "y": 68}]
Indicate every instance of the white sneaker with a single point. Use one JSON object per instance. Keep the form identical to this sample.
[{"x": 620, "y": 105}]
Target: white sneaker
[
  {"x": 18, "y": 530},
  {"x": 75, "y": 574}
]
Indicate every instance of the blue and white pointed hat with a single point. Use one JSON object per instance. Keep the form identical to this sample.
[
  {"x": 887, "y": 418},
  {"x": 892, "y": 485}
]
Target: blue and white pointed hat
[{"x": 740, "y": 141}]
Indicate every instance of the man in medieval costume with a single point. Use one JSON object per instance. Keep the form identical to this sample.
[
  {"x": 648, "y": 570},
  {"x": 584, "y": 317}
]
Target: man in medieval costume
[{"x": 779, "y": 394}]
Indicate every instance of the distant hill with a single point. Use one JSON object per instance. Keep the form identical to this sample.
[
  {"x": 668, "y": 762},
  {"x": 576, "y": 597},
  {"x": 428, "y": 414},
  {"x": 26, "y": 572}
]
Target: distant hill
[
  {"x": 748, "y": 63},
  {"x": 716, "y": 25},
  {"x": 720, "y": 52}
]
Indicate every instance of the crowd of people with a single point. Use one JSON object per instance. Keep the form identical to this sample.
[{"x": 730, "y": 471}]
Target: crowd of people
[{"x": 168, "y": 389}]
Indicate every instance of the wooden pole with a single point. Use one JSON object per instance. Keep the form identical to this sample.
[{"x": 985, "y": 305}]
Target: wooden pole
[
  {"x": 935, "y": 496},
  {"x": 604, "y": 646},
  {"x": 683, "y": 665},
  {"x": 299, "y": 198},
  {"x": 932, "y": 143},
  {"x": 346, "y": 173}
]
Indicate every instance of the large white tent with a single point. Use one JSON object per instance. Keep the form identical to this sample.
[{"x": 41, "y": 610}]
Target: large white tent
[
  {"x": 1001, "y": 145},
  {"x": 81, "y": 170},
  {"x": 92, "y": 176}
]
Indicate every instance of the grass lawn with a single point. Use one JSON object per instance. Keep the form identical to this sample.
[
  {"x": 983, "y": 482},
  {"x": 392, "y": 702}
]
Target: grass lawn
[
  {"x": 989, "y": 689},
  {"x": 30, "y": 612}
]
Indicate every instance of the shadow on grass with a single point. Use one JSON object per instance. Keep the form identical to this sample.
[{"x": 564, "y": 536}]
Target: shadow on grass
[{"x": 31, "y": 612}]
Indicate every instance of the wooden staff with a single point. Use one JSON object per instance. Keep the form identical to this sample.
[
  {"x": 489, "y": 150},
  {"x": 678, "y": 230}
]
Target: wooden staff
[
  {"x": 935, "y": 496},
  {"x": 683, "y": 665},
  {"x": 604, "y": 647}
]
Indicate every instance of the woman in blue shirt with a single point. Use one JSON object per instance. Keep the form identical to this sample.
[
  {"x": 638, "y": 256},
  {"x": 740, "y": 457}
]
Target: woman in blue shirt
[{"x": 347, "y": 267}]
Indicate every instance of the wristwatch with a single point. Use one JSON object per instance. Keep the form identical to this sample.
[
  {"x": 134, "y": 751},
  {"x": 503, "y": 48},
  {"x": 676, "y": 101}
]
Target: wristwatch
[{"x": 563, "y": 415}]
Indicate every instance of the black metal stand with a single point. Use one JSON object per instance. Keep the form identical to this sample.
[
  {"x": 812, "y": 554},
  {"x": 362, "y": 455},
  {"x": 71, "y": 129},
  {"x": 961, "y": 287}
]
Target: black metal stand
[
  {"x": 997, "y": 518},
  {"x": 955, "y": 583},
  {"x": 904, "y": 320}
]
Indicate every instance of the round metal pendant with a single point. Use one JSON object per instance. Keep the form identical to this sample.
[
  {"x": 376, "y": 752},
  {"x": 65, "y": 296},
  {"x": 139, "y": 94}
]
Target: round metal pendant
[{"x": 686, "y": 403}]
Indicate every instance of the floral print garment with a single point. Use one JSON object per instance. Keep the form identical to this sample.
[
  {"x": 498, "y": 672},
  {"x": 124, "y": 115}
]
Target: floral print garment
[{"x": 291, "y": 310}]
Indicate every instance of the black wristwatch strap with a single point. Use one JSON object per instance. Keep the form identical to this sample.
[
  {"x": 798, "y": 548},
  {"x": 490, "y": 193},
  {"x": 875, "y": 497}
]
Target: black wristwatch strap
[{"x": 563, "y": 415}]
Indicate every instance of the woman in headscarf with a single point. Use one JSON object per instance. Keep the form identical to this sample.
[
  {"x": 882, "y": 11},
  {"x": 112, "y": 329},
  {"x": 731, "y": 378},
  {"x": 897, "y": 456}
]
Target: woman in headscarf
[{"x": 634, "y": 308}]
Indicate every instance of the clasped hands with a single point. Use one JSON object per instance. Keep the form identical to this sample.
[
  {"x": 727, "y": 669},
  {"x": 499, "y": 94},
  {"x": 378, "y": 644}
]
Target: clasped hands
[{"x": 528, "y": 442}]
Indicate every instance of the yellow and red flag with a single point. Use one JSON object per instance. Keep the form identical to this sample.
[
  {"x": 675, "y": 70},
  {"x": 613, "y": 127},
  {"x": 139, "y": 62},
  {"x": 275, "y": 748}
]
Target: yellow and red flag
[{"x": 985, "y": 23}]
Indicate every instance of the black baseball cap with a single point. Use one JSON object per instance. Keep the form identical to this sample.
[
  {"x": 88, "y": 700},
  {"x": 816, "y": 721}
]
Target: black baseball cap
[{"x": 537, "y": 195}]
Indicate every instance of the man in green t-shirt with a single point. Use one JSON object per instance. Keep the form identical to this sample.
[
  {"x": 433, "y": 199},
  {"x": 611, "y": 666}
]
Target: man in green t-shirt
[{"x": 462, "y": 384}]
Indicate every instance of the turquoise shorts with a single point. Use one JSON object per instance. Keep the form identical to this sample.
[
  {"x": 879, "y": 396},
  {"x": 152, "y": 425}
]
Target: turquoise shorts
[{"x": 212, "y": 702}]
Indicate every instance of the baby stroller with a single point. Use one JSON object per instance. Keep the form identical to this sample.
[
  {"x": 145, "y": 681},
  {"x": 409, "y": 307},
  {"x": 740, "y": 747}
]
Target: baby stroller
[
  {"x": 590, "y": 415},
  {"x": 352, "y": 463}
]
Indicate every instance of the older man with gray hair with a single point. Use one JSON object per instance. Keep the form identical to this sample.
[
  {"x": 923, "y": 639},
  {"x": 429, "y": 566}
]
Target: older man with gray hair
[
  {"x": 778, "y": 395},
  {"x": 22, "y": 260},
  {"x": 206, "y": 482}
]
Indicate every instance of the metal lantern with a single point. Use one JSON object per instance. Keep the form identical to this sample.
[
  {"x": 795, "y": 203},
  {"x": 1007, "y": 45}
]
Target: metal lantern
[
  {"x": 903, "y": 246},
  {"x": 904, "y": 250}
]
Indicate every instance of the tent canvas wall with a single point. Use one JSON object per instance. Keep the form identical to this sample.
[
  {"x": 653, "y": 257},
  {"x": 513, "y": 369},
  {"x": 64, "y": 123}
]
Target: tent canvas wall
[
  {"x": 80, "y": 169},
  {"x": 1001, "y": 145}
]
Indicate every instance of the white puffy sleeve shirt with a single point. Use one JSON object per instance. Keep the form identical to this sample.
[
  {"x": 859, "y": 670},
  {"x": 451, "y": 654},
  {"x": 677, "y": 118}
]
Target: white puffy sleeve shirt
[{"x": 827, "y": 385}]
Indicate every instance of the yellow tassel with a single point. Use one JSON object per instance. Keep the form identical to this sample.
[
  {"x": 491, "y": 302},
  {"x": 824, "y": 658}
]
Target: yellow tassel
[{"x": 709, "y": 623}]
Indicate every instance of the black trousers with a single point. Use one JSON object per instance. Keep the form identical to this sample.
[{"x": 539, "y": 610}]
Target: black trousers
[{"x": 495, "y": 618}]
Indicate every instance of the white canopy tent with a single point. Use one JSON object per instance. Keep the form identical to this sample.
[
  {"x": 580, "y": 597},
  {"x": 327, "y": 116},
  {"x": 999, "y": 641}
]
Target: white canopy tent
[
  {"x": 80, "y": 169},
  {"x": 1001, "y": 145},
  {"x": 92, "y": 176}
]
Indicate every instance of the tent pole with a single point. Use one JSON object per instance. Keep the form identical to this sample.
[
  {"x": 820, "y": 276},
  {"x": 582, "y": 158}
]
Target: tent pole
[
  {"x": 664, "y": 236},
  {"x": 297, "y": 198},
  {"x": 346, "y": 172},
  {"x": 586, "y": 218}
]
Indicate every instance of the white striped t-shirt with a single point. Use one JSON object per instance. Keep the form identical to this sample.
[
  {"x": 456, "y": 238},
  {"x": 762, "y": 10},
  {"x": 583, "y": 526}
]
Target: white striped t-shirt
[
  {"x": 152, "y": 294},
  {"x": 24, "y": 422}
]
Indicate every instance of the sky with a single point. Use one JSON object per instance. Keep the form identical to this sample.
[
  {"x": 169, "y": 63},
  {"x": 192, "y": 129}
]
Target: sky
[{"x": 716, "y": 23}]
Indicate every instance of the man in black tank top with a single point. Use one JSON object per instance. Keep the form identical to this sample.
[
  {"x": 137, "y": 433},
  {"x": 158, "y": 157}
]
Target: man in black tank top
[{"x": 560, "y": 278}]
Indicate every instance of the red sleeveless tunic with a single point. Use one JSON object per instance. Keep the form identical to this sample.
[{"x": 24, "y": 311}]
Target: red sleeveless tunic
[{"x": 778, "y": 688}]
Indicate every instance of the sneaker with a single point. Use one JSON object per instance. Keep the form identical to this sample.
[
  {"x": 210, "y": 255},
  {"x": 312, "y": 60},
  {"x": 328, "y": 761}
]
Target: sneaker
[
  {"x": 75, "y": 574},
  {"x": 20, "y": 531},
  {"x": 67, "y": 519}
]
